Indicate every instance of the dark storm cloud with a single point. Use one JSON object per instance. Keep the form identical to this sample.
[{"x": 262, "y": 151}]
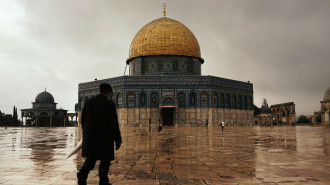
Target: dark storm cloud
[{"x": 282, "y": 47}]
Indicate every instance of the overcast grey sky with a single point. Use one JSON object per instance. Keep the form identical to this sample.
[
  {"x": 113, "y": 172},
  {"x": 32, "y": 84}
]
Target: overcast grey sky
[{"x": 282, "y": 47}]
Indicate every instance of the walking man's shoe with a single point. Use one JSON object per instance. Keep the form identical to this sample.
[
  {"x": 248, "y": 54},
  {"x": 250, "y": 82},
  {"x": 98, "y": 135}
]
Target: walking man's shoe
[{"x": 81, "y": 179}]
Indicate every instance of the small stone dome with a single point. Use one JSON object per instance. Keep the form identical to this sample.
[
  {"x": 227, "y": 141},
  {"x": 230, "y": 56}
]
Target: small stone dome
[
  {"x": 265, "y": 110},
  {"x": 327, "y": 95},
  {"x": 44, "y": 97}
]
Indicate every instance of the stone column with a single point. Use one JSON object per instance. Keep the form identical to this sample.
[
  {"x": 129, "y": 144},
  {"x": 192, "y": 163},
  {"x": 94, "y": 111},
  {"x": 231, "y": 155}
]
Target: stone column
[
  {"x": 51, "y": 121},
  {"x": 160, "y": 116},
  {"x": 76, "y": 120},
  {"x": 210, "y": 115},
  {"x": 187, "y": 116},
  {"x": 137, "y": 114},
  {"x": 148, "y": 115}
]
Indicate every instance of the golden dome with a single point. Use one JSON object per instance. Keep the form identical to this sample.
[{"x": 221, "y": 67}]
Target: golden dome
[{"x": 164, "y": 36}]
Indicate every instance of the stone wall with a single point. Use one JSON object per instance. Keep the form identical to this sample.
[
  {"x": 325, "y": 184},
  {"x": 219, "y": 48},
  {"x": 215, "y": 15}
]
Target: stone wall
[
  {"x": 186, "y": 116},
  {"x": 325, "y": 112}
]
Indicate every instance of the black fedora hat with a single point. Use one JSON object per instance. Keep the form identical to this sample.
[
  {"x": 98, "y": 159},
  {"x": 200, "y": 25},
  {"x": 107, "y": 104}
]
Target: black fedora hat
[{"x": 105, "y": 87}]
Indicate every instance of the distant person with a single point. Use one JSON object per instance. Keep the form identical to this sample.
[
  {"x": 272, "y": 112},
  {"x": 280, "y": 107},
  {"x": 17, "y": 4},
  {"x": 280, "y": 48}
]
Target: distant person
[
  {"x": 160, "y": 125},
  {"x": 207, "y": 122},
  {"x": 100, "y": 131},
  {"x": 222, "y": 125}
]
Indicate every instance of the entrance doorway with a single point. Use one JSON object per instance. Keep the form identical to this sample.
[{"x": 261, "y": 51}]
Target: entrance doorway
[{"x": 168, "y": 116}]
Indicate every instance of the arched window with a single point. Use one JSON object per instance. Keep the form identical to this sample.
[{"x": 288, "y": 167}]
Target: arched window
[
  {"x": 244, "y": 102},
  {"x": 84, "y": 103},
  {"x": 154, "y": 100},
  {"x": 119, "y": 98},
  {"x": 131, "y": 99},
  {"x": 221, "y": 101},
  {"x": 192, "y": 99},
  {"x": 239, "y": 105},
  {"x": 143, "y": 99},
  {"x": 228, "y": 102},
  {"x": 215, "y": 99},
  {"x": 168, "y": 101},
  {"x": 234, "y": 101},
  {"x": 181, "y": 99},
  {"x": 204, "y": 99},
  {"x": 287, "y": 112},
  {"x": 249, "y": 103}
]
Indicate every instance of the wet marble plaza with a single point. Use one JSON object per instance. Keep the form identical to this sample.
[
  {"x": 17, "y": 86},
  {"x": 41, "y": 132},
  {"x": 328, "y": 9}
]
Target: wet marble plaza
[{"x": 176, "y": 155}]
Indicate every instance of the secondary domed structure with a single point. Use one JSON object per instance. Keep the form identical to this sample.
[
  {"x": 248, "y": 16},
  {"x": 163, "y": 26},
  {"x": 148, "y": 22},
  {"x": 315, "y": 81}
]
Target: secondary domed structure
[
  {"x": 165, "y": 84},
  {"x": 325, "y": 109},
  {"x": 44, "y": 97},
  {"x": 265, "y": 110},
  {"x": 44, "y": 112},
  {"x": 265, "y": 115}
]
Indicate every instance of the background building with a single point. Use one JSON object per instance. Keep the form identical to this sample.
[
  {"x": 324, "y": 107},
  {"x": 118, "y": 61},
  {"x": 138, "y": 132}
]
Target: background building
[
  {"x": 284, "y": 113},
  {"x": 165, "y": 83},
  {"x": 44, "y": 112},
  {"x": 265, "y": 117},
  {"x": 279, "y": 114},
  {"x": 323, "y": 116}
]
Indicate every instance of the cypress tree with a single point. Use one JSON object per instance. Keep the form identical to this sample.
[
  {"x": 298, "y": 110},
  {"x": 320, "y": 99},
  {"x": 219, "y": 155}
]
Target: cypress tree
[
  {"x": 15, "y": 114},
  {"x": 1, "y": 118}
]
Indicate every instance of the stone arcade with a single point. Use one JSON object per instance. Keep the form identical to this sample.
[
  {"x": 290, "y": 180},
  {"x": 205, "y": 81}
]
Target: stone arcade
[
  {"x": 165, "y": 83},
  {"x": 279, "y": 114}
]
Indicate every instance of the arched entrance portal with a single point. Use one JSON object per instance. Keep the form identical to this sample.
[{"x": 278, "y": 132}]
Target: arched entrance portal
[
  {"x": 168, "y": 109},
  {"x": 168, "y": 115}
]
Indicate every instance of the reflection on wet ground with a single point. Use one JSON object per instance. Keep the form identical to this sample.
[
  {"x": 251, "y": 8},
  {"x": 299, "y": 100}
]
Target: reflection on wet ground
[{"x": 176, "y": 155}]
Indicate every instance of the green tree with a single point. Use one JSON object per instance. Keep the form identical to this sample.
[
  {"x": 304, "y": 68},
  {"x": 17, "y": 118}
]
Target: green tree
[
  {"x": 1, "y": 118},
  {"x": 15, "y": 114},
  {"x": 303, "y": 119}
]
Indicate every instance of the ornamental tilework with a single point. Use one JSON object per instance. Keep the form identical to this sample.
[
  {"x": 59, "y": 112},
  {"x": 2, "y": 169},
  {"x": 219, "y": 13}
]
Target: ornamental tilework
[{"x": 165, "y": 71}]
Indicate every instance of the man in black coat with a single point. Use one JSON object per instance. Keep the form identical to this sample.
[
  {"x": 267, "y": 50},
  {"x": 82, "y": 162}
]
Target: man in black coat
[{"x": 100, "y": 131}]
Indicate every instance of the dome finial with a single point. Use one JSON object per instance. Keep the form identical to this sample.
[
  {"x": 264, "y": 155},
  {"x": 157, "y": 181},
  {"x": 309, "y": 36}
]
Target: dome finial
[
  {"x": 45, "y": 89},
  {"x": 164, "y": 5}
]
